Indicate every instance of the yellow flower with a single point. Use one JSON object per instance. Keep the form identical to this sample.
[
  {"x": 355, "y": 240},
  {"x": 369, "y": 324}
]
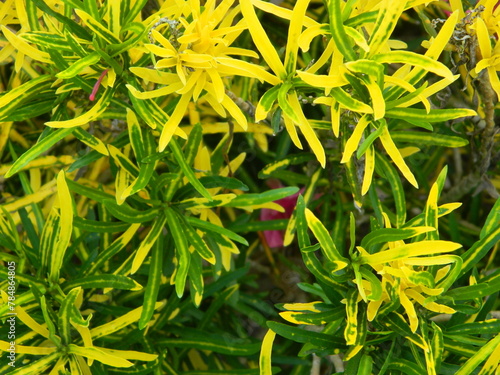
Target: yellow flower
[
  {"x": 490, "y": 57},
  {"x": 198, "y": 51},
  {"x": 402, "y": 268}
]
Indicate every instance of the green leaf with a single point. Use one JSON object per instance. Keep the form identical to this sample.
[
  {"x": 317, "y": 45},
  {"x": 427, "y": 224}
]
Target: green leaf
[
  {"x": 196, "y": 283},
  {"x": 206, "y": 225},
  {"x": 245, "y": 200},
  {"x": 128, "y": 214},
  {"x": 406, "y": 367},
  {"x": 294, "y": 31},
  {"x": 187, "y": 170},
  {"x": 491, "y": 326},
  {"x": 47, "y": 39},
  {"x": 72, "y": 25},
  {"x": 371, "y": 138},
  {"x": 91, "y": 141},
  {"x": 480, "y": 248},
  {"x": 492, "y": 220},
  {"x": 434, "y": 115},
  {"x": 98, "y": 29},
  {"x": 396, "y": 323},
  {"x": 256, "y": 226},
  {"x": 337, "y": 29},
  {"x": 319, "y": 318},
  {"x": 266, "y": 352},
  {"x": 365, "y": 365},
  {"x": 191, "y": 338},
  {"x": 48, "y": 240},
  {"x": 102, "y": 281},
  {"x": 79, "y": 65},
  {"x": 135, "y": 135},
  {"x": 12, "y": 98},
  {"x": 428, "y": 139},
  {"x": 387, "y": 18},
  {"x": 38, "y": 367},
  {"x": 148, "y": 242},
  {"x": 182, "y": 251},
  {"x": 479, "y": 356},
  {"x": 99, "y": 226},
  {"x": 437, "y": 345},
  {"x": 89, "y": 192},
  {"x": 266, "y": 103},
  {"x": 66, "y": 228},
  {"x": 134, "y": 11},
  {"x": 349, "y": 102},
  {"x": 384, "y": 235},
  {"x": 327, "y": 244},
  {"x": 301, "y": 335},
  {"x": 67, "y": 305},
  {"x": 146, "y": 169},
  {"x": 384, "y": 168},
  {"x": 153, "y": 286},
  {"x": 269, "y": 169},
  {"x": 197, "y": 242},
  {"x": 412, "y": 58},
  {"x": 119, "y": 244},
  {"x": 472, "y": 292},
  {"x": 42, "y": 146}
]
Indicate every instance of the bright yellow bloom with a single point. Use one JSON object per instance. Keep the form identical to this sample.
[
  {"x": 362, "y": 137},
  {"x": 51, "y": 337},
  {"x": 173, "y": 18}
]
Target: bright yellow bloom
[
  {"x": 490, "y": 57},
  {"x": 197, "y": 55},
  {"x": 405, "y": 278}
]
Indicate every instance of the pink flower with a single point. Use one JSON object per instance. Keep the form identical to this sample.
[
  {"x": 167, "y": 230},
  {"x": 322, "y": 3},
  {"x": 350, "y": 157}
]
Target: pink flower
[{"x": 274, "y": 238}]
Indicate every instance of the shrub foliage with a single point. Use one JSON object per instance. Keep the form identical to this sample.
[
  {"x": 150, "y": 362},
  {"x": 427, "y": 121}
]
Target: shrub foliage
[{"x": 141, "y": 140}]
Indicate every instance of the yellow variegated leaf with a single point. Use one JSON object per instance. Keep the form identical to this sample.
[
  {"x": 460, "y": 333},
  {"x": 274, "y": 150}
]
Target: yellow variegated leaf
[
  {"x": 294, "y": 31},
  {"x": 148, "y": 242},
  {"x": 318, "y": 80},
  {"x": 122, "y": 183},
  {"x": 163, "y": 91},
  {"x": 23, "y": 47},
  {"x": 130, "y": 354},
  {"x": 66, "y": 224},
  {"x": 97, "y": 354},
  {"x": 378, "y": 101},
  {"x": 307, "y": 130},
  {"x": 327, "y": 245},
  {"x": 293, "y": 317},
  {"x": 118, "y": 323},
  {"x": 22, "y": 349},
  {"x": 353, "y": 142},
  {"x": 235, "y": 111},
  {"x": 246, "y": 69},
  {"x": 421, "y": 61},
  {"x": 281, "y": 12},
  {"x": 48, "y": 161},
  {"x": 309, "y": 306},
  {"x": 292, "y": 131},
  {"x": 409, "y": 250},
  {"x": 265, "y": 353},
  {"x": 389, "y": 14},
  {"x": 261, "y": 39},
  {"x": 369, "y": 168},
  {"x": 396, "y": 157},
  {"x": 30, "y": 322},
  {"x": 173, "y": 122},
  {"x": 88, "y": 116},
  {"x": 155, "y": 75},
  {"x": 410, "y": 310},
  {"x": 351, "y": 329},
  {"x": 358, "y": 38},
  {"x": 441, "y": 40}
]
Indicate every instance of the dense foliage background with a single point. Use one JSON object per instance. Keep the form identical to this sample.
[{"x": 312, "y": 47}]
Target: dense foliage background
[{"x": 247, "y": 187}]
